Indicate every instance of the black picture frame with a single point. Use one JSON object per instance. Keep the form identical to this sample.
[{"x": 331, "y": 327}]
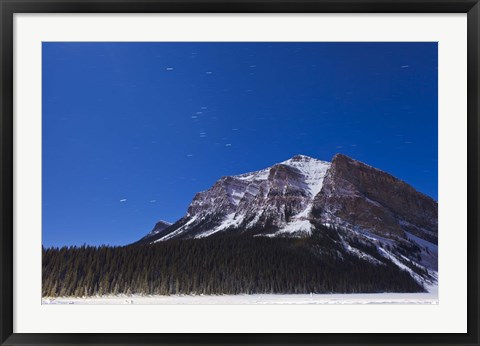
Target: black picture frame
[{"x": 10, "y": 7}]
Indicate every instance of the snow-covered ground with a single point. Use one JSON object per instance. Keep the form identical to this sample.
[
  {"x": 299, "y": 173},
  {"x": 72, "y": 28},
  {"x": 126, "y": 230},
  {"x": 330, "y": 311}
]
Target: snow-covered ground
[{"x": 326, "y": 299}]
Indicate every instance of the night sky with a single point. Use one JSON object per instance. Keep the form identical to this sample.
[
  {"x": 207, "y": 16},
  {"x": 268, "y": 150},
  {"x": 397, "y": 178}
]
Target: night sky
[{"x": 131, "y": 131}]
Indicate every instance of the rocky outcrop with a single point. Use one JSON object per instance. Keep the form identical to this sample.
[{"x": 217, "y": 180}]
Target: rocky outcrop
[{"x": 355, "y": 195}]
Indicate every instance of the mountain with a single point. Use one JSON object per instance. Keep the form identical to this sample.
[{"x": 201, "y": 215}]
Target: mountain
[
  {"x": 350, "y": 207},
  {"x": 157, "y": 229}
]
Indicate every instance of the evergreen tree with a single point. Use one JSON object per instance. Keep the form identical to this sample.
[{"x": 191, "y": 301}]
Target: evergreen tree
[{"x": 224, "y": 264}]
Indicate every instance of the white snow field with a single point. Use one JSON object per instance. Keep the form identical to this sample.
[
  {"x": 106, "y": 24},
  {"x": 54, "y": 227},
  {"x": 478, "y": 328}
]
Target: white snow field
[{"x": 255, "y": 299}]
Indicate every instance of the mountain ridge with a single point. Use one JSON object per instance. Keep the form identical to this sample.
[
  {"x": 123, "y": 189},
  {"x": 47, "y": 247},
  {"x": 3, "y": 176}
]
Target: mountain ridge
[
  {"x": 297, "y": 180},
  {"x": 356, "y": 208}
]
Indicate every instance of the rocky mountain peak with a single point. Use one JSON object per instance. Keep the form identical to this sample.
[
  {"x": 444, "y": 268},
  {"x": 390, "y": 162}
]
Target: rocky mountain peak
[
  {"x": 300, "y": 158},
  {"x": 289, "y": 197},
  {"x": 158, "y": 228}
]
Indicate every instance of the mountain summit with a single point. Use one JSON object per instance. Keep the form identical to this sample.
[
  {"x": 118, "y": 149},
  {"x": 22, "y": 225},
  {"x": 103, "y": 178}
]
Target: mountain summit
[
  {"x": 287, "y": 198},
  {"x": 363, "y": 208}
]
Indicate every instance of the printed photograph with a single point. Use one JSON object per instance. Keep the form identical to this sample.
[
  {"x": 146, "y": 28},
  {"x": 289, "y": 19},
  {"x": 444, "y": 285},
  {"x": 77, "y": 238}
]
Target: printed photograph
[{"x": 239, "y": 173}]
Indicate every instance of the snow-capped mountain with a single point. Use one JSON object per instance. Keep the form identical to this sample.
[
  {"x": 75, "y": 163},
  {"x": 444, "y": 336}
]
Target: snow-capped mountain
[{"x": 362, "y": 207}]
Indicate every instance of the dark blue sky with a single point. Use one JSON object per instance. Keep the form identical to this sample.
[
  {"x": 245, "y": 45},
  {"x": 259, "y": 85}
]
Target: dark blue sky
[{"x": 131, "y": 131}]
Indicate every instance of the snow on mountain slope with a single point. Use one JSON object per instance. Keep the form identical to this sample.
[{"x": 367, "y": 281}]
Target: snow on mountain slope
[
  {"x": 312, "y": 169},
  {"x": 314, "y": 172},
  {"x": 278, "y": 198}
]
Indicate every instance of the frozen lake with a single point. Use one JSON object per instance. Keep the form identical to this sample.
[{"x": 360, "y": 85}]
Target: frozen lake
[{"x": 322, "y": 299}]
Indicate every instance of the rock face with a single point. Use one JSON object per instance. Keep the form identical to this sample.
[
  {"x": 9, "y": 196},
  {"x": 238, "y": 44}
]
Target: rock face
[{"x": 355, "y": 195}]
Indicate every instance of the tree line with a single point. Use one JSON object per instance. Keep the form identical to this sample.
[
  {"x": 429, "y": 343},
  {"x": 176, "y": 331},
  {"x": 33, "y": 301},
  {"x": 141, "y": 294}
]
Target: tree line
[{"x": 223, "y": 264}]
